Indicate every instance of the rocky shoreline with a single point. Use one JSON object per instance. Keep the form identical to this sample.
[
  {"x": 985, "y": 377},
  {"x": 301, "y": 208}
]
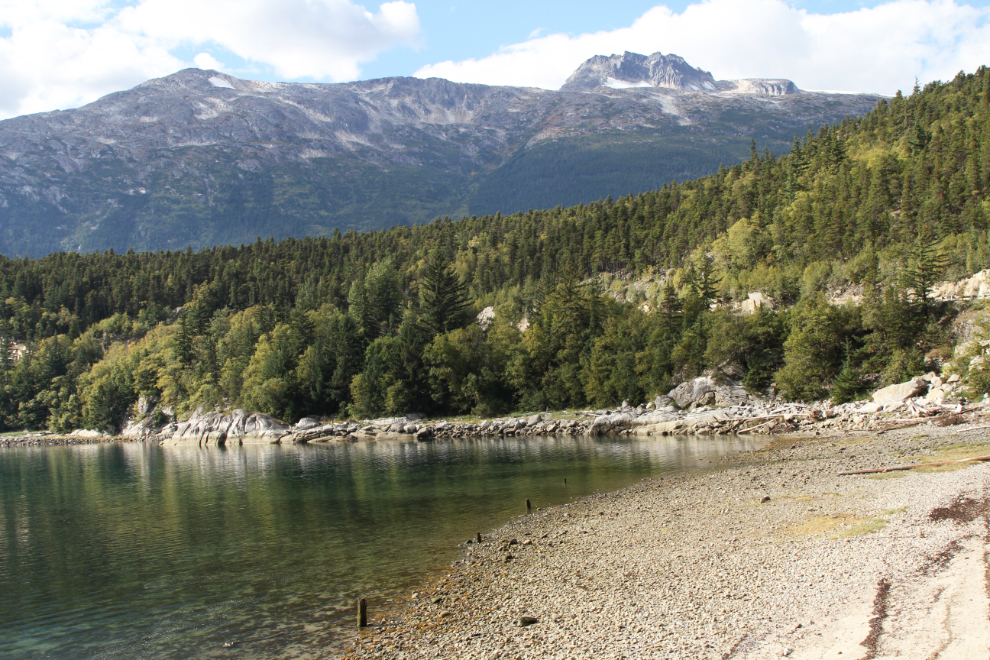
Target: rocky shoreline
[
  {"x": 775, "y": 556},
  {"x": 701, "y": 406},
  {"x": 49, "y": 439}
]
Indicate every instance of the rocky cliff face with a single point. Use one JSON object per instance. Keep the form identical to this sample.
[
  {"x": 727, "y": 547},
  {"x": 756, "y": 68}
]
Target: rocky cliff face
[
  {"x": 631, "y": 70},
  {"x": 634, "y": 70},
  {"x": 201, "y": 158},
  {"x": 210, "y": 429}
]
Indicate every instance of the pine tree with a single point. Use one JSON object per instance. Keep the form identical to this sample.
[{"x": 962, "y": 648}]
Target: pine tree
[
  {"x": 847, "y": 385},
  {"x": 444, "y": 299},
  {"x": 926, "y": 267}
]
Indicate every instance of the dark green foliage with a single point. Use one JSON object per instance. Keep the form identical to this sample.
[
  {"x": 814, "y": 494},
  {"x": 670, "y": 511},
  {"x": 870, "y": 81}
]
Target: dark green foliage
[
  {"x": 813, "y": 350},
  {"x": 444, "y": 300}
]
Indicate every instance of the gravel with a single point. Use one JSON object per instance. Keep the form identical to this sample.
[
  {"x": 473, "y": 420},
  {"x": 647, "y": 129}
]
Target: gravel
[{"x": 701, "y": 565}]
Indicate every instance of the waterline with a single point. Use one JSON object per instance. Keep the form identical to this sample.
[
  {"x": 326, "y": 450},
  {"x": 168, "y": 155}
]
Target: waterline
[{"x": 130, "y": 549}]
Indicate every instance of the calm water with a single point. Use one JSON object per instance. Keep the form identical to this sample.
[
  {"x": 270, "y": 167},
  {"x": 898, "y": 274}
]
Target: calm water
[{"x": 131, "y": 550}]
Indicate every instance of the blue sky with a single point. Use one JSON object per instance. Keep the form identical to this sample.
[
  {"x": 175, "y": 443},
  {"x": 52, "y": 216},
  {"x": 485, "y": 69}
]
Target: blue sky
[{"x": 63, "y": 53}]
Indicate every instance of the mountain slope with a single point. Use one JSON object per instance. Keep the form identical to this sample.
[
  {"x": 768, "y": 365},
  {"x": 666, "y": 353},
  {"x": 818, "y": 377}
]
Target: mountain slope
[{"x": 201, "y": 158}]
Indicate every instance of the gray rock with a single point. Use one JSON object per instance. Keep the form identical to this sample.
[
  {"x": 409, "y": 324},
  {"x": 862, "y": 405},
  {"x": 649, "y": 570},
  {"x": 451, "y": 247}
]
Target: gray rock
[
  {"x": 534, "y": 420},
  {"x": 895, "y": 394},
  {"x": 691, "y": 391},
  {"x": 610, "y": 423},
  {"x": 307, "y": 423},
  {"x": 236, "y": 428},
  {"x": 663, "y": 401}
]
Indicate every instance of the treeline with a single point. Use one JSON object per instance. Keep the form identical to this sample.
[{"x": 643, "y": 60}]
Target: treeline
[{"x": 342, "y": 325}]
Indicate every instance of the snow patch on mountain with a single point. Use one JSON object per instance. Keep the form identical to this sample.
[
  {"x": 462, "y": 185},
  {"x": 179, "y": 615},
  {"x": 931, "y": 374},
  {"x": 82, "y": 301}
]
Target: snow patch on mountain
[
  {"x": 220, "y": 82},
  {"x": 614, "y": 83}
]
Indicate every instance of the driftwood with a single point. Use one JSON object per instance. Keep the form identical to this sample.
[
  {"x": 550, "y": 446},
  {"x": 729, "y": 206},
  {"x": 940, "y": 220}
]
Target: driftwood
[
  {"x": 898, "y": 468},
  {"x": 895, "y": 424}
]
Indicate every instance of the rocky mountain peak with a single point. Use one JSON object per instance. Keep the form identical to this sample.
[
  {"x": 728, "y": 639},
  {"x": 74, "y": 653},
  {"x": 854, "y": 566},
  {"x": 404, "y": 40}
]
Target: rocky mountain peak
[
  {"x": 664, "y": 71},
  {"x": 635, "y": 70}
]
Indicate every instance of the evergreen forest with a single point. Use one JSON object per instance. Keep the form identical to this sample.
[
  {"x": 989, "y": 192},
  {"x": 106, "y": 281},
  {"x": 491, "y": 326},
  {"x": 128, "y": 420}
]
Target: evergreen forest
[{"x": 593, "y": 304}]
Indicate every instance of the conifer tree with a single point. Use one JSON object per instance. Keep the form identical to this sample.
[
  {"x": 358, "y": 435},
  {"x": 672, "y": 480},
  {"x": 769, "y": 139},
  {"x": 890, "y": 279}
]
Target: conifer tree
[{"x": 444, "y": 298}]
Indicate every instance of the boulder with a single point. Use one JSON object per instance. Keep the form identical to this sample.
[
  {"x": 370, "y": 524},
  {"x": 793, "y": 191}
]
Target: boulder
[
  {"x": 534, "y": 420},
  {"x": 307, "y": 423},
  {"x": 731, "y": 394},
  {"x": 610, "y": 423},
  {"x": 896, "y": 394},
  {"x": 87, "y": 433},
  {"x": 704, "y": 391},
  {"x": 319, "y": 434},
  {"x": 691, "y": 391},
  {"x": 424, "y": 434}
]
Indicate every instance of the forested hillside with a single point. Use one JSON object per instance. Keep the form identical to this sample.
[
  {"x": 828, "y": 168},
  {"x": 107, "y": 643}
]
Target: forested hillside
[{"x": 381, "y": 323}]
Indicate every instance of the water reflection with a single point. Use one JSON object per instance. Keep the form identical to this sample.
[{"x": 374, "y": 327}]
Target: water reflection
[{"x": 132, "y": 549}]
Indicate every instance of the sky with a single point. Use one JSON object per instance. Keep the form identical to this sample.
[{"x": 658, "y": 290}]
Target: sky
[{"x": 60, "y": 54}]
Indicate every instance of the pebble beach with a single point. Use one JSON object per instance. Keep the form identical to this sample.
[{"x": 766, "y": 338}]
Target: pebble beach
[{"x": 774, "y": 555}]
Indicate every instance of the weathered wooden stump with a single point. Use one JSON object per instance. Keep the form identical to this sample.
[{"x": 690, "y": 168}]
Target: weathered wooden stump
[{"x": 362, "y": 612}]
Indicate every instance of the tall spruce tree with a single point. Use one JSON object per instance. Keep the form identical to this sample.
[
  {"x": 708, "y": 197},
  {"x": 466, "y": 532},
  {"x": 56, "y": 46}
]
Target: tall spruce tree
[{"x": 444, "y": 298}]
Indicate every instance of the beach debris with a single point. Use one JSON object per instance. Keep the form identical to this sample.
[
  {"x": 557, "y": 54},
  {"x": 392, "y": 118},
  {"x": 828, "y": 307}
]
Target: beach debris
[{"x": 898, "y": 468}]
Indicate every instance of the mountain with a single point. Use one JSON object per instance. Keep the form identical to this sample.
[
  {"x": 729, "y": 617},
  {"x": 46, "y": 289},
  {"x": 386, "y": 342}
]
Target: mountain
[
  {"x": 202, "y": 158},
  {"x": 667, "y": 72}
]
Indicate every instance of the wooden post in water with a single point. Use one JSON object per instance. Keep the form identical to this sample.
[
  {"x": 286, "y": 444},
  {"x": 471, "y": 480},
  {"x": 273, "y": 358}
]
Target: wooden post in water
[
  {"x": 529, "y": 506},
  {"x": 565, "y": 481},
  {"x": 362, "y": 612},
  {"x": 479, "y": 537}
]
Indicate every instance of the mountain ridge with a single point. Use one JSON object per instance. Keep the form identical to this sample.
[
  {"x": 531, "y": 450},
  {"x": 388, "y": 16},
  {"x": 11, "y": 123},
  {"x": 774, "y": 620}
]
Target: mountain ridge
[
  {"x": 665, "y": 71},
  {"x": 201, "y": 157}
]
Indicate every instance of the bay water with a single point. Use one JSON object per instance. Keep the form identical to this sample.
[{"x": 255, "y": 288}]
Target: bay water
[{"x": 136, "y": 550}]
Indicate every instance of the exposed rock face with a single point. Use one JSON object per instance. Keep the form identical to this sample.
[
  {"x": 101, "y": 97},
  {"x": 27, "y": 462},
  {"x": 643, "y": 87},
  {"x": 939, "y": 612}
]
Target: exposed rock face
[
  {"x": 214, "y": 429},
  {"x": 656, "y": 70},
  {"x": 665, "y": 72},
  {"x": 976, "y": 286},
  {"x": 705, "y": 391},
  {"x": 894, "y": 394},
  {"x": 693, "y": 391}
]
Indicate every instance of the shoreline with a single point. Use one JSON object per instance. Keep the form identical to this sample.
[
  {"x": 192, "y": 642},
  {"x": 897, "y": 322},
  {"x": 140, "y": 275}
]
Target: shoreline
[
  {"x": 49, "y": 439},
  {"x": 702, "y": 566}
]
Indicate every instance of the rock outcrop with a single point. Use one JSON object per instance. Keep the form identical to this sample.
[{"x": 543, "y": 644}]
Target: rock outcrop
[
  {"x": 664, "y": 72},
  {"x": 210, "y": 429},
  {"x": 705, "y": 391},
  {"x": 237, "y": 428}
]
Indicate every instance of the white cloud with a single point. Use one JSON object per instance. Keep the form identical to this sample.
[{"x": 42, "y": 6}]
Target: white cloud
[
  {"x": 878, "y": 49},
  {"x": 63, "y": 53},
  {"x": 207, "y": 61},
  {"x": 52, "y": 65},
  {"x": 321, "y": 39}
]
